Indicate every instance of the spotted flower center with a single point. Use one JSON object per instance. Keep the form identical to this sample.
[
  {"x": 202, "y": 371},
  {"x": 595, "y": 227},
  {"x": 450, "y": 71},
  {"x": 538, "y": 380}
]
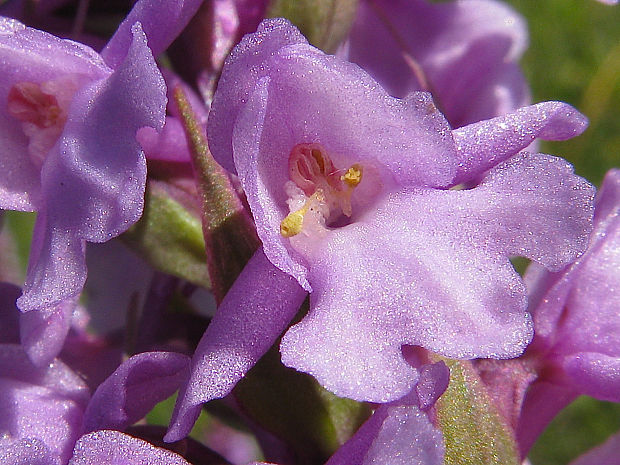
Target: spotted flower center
[
  {"x": 326, "y": 189},
  {"x": 42, "y": 109}
]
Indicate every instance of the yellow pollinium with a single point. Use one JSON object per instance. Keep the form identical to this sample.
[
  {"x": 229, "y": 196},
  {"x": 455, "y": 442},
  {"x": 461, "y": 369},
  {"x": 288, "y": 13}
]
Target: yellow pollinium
[
  {"x": 294, "y": 221},
  {"x": 353, "y": 176}
]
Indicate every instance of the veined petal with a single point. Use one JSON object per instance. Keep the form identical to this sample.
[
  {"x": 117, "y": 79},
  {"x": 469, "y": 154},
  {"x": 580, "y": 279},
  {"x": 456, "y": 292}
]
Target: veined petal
[
  {"x": 485, "y": 144},
  {"x": 162, "y": 21},
  {"x": 397, "y": 276},
  {"x": 253, "y": 314},
  {"x": 30, "y": 55}
]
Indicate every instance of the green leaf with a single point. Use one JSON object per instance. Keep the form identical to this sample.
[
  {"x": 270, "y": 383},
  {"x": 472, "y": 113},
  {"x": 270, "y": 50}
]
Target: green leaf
[
  {"x": 473, "y": 430},
  {"x": 169, "y": 237},
  {"x": 584, "y": 424},
  {"x": 324, "y": 22},
  {"x": 15, "y": 238},
  {"x": 295, "y": 408}
]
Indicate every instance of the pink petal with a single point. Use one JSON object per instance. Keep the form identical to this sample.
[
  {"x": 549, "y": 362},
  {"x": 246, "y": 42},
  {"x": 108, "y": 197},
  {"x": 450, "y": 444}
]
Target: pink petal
[
  {"x": 397, "y": 276},
  {"x": 253, "y": 314},
  {"x": 113, "y": 447},
  {"x": 485, "y": 144}
]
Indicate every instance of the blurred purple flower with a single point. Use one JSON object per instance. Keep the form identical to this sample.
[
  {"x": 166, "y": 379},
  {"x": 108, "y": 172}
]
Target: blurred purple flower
[
  {"x": 576, "y": 349},
  {"x": 44, "y": 405},
  {"x": 46, "y": 409},
  {"x": 607, "y": 453},
  {"x": 70, "y": 152},
  {"x": 375, "y": 233},
  {"x": 409, "y": 45}
]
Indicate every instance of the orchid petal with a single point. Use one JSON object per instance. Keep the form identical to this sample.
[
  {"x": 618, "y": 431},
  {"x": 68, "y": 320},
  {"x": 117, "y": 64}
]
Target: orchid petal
[
  {"x": 576, "y": 310},
  {"x": 310, "y": 87},
  {"x": 543, "y": 401},
  {"x": 134, "y": 389},
  {"x": 594, "y": 374},
  {"x": 93, "y": 184},
  {"x": 44, "y": 403},
  {"x": 356, "y": 332},
  {"x": 395, "y": 435},
  {"x": 112, "y": 447},
  {"x": 434, "y": 379},
  {"x": 485, "y": 144},
  {"x": 247, "y": 323},
  {"x": 161, "y": 20},
  {"x": 170, "y": 144},
  {"x": 43, "y": 331},
  {"x": 235, "y": 86},
  {"x": 30, "y": 451},
  {"x": 480, "y": 40}
]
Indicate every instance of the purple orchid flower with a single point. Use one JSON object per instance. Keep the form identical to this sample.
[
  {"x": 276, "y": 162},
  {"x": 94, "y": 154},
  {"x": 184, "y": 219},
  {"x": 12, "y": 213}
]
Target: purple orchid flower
[
  {"x": 577, "y": 345},
  {"x": 350, "y": 191},
  {"x": 47, "y": 408},
  {"x": 70, "y": 153},
  {"x": 409, "y": 45},
  {"x": 44, "y": 405}
]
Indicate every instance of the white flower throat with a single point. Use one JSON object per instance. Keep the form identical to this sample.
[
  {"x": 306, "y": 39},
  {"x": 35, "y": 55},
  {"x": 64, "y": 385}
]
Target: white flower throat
[{"x": 324, "y": 190}]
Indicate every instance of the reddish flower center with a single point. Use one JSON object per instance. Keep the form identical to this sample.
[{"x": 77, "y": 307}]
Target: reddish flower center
[
  {"x": 42, "y": 109},
  {"x": 327, "y": 188},
  {"x": 30, "y": 104}
]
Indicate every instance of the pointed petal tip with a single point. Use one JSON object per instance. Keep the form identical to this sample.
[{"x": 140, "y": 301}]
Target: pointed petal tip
[{"x": 565, "y": 121}]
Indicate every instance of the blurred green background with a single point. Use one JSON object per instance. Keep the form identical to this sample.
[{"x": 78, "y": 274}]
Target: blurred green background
[{"x": 574, "y": 56}]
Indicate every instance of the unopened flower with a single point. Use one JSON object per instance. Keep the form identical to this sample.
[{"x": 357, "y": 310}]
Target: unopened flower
[{"x": 351, "y": 193}]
